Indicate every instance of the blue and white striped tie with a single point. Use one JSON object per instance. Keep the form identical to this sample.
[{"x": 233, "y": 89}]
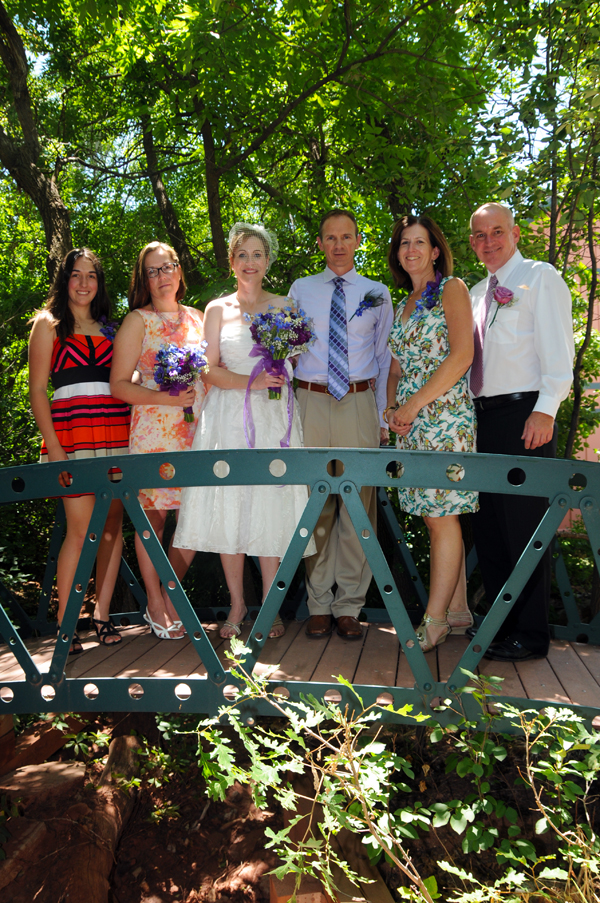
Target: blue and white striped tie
[{"x": 337, "y": 373}]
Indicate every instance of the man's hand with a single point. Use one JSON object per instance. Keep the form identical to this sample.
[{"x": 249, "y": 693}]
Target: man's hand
[{"x": 538, "y": 429}]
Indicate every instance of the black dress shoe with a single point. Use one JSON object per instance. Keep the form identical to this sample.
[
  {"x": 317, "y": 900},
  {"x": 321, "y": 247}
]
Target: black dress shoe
[{"x": 510, "y": 651}]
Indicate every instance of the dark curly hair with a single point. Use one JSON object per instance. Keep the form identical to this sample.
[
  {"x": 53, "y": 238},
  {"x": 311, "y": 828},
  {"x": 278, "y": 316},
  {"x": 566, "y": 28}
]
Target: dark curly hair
[
  {"x": 57, "y": 303},
  {"x": 443, "y": 264}
]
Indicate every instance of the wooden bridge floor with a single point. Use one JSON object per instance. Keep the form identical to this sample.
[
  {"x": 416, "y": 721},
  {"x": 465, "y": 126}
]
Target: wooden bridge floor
[{"x": 569, "y": 675}]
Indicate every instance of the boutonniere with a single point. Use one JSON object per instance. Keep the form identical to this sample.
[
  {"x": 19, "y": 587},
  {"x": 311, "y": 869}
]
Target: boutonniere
[
  {"x": 108, "y": 329},
  {"x": 370, "y": 300},
  {"x": 504, "y": 297}
]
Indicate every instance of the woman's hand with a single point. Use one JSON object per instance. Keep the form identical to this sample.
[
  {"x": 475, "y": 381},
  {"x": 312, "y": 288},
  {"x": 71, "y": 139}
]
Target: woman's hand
[
  {"x": 401, "y": 420},
  {"x": 57, "y": 453},
  {"x": 266, "y": 380},
  {"x": 185, "y": 399}
]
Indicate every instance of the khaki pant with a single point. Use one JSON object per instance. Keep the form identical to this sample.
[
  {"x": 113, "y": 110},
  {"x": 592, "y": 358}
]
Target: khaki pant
[{"x": 352, "y": 422}]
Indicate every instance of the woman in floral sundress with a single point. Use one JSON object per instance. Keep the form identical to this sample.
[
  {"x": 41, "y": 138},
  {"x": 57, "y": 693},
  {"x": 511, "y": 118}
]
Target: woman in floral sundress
[{"x": 429, "y": 406}]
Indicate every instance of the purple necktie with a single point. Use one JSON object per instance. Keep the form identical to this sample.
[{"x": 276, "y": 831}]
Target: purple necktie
[
  {"x": 337, "y": 372},
  {"x": 478, "y": 336}
]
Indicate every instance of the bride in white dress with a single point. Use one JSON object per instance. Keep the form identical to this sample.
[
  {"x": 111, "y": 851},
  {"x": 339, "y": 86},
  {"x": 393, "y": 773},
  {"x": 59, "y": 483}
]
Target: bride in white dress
[{"x": 242, "y": 520}]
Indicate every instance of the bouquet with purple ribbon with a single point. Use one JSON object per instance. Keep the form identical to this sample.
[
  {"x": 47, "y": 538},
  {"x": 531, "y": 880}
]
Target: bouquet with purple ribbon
[
  {"x": 176, "y": 368},
  {"x": 278, "y": 333}
]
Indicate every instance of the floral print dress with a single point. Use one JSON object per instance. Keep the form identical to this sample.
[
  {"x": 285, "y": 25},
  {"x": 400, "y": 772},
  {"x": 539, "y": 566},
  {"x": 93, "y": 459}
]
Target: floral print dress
[
  {"x": 446, "y": 424},
  {"x": 158, "y": 427}
]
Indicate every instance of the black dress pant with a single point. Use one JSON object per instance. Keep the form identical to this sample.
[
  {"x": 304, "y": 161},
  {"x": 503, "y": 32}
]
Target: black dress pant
[{"x": 504, "y": 525}]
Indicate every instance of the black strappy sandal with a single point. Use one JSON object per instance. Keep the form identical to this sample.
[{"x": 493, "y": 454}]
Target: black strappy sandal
[
  {"x": 104, "y": 629},
  {"x": 76, "y": 644}
]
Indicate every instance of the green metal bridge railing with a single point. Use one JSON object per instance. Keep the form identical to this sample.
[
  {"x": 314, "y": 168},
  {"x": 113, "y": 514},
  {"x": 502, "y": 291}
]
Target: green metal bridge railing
[{"x": 566, "y": 484}]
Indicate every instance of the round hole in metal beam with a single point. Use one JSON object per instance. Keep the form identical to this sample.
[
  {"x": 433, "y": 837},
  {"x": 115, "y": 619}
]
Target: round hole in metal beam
[
  {"x": 136, "y": 691},
  {"x": 395, "y": 469},
  {"x": 577, "y": 482},
  {"x": 455, "y": 472},
  {"x": 282, "y": 692},
  {"x": 78, "y": 588},
  {"x": 538, "y": 545},
  {"x": 231, "y": 692},
  {"x": 303, "y": 532},
  {"x": 221, "y": 469},
  {"x": 387, "y": 588},
  {"x": 366, "y": 534},
  {"x": 146, "y": 534},
  {"x": 385, "y": 699},
  {"x": 92, "y": 537},
  {"x": 259, "y": 637},
  {"x": 18, "y": 484},
  {"x": 277, "y": 467},
  {"x": 171, "y": 584},
  {"x": 281, "y": 584},
  {"x": 477, "y": 649},
  {"x": 197, "y": 634},
  {"x": 516, "y": 476},
  {"x": 335, "y": 468},
  {"x": 166, "y": 471},
  {"x": 183, "y": 691},
  {"x": 410, "y": 644},
  {"x": 6, "y": 694},
  {"x": 91, "y": 691},
  {"x": 333, "y": 696},
  {"x": 48, "y": 693},
  {"x": 507, "y": 597}
]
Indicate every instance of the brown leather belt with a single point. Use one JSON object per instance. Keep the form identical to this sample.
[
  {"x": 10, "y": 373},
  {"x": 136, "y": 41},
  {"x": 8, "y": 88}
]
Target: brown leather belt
[{"x": 318, "y": 387}]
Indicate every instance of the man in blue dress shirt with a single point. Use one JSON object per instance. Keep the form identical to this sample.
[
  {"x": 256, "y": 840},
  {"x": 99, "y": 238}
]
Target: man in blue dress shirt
[{"x": 340, "y": 408}]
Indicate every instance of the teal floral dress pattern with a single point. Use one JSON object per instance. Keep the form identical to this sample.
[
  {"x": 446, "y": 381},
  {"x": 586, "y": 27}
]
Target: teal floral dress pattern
[{"x": 446, "y": 424}]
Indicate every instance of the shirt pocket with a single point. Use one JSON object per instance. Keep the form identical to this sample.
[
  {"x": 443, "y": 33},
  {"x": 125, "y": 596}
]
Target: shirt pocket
[{"x": 504, "y": 329}]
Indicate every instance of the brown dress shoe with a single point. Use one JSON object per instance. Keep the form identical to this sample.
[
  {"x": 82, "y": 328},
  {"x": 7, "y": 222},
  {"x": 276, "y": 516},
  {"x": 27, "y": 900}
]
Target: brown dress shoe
[
  {"x": 318, "y": 626},
  {"x": 349, "y": 628}
]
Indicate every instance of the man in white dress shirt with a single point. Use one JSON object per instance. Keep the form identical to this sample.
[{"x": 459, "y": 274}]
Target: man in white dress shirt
[
  {"x": 522, "y": 370},
  {"x": 339, "y": 408}
]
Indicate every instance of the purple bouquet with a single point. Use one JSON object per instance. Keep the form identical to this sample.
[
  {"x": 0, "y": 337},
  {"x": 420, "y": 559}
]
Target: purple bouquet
[
  {"x": 279, "y": 333},
  {"x": 176, "y": 368}
]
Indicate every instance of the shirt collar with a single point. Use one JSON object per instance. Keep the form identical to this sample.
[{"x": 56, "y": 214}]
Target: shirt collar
[
  {"x": 508, "y": 267},
  {"x": 350, "y": 276}
]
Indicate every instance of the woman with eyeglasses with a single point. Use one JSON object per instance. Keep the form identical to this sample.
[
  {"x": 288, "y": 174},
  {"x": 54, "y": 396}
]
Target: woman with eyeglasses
[{"x": 157, "y": 318}]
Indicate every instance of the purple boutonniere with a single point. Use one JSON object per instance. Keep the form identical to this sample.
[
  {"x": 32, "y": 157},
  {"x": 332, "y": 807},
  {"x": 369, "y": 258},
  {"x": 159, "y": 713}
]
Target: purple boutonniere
[
  {"x": 504, "y": 298},
  {"x": 108, "y": 329},
  {"x": 368, "y": 302}
]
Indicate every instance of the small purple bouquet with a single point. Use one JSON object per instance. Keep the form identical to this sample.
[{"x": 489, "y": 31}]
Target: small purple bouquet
[
  {"x": 278, "y": 334},
  {"x": 108, "y": 328},
  {"x": 176, "y": 368},
  {"x": 371, "y": 299}
]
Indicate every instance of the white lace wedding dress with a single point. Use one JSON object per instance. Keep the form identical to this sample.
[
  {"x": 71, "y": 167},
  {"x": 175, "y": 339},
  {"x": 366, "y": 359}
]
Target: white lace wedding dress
[{"x": 256, "y": 520}]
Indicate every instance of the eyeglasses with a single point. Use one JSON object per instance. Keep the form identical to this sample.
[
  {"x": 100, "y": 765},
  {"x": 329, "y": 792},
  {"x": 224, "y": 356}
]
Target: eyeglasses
[
  {"x": 166, "y": 268},
  {"x": 255, "y": 257}
]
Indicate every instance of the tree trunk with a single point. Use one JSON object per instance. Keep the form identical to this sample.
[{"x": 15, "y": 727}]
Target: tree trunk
[
  {"x": 167, "y": 211},
  {"x": 214, "y": 198},
  {"x": 21, "y": 157}
]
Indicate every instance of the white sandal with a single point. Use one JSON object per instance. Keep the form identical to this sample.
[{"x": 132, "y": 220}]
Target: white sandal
[{"x": 163, "y": 633}]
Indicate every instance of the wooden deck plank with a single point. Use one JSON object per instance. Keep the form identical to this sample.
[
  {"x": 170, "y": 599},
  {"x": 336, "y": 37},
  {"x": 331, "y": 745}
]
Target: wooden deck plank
[
  {"x": 275, "y": 649},
  {"x": 379, "y": 659},
  {"x": 511, "y": 682},
  {"x": 590, "y": 656},
  {"x": 302, "y": 657},
  {"x": 577, "y": 681},
  {"x": 80, "y": 665},
  {"x": 186, "y": 661},
  {"x": 40, "y": 649},
  {"x": 449, "y": 654},
  {"x": 122, "y": 658},
  {"x": 404, "y": 677},
  {"x": 342, "y": 658}
]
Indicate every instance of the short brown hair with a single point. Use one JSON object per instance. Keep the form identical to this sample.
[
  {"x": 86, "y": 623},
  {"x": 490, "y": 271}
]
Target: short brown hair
[
  {"x": 139, "y": 287},
  {"x": 337, "y": 212},
  {"x": 443, "y": 264}
]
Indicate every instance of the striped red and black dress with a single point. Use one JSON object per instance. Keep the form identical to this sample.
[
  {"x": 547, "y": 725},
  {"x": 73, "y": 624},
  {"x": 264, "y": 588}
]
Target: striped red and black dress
[{"x": 88, "y": 421}]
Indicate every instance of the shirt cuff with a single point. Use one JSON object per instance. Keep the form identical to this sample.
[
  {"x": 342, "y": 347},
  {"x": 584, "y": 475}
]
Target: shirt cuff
[{"x": 546, "y": 404}]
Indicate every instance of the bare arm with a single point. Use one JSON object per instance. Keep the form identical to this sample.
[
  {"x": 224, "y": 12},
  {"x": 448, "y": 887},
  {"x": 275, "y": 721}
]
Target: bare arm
[
  {"x": 126, "y": 354},
  {"x": 220, "y": 376},
  {"x": 457, "y": 308},
  {"x": 41, "y": 343}
]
